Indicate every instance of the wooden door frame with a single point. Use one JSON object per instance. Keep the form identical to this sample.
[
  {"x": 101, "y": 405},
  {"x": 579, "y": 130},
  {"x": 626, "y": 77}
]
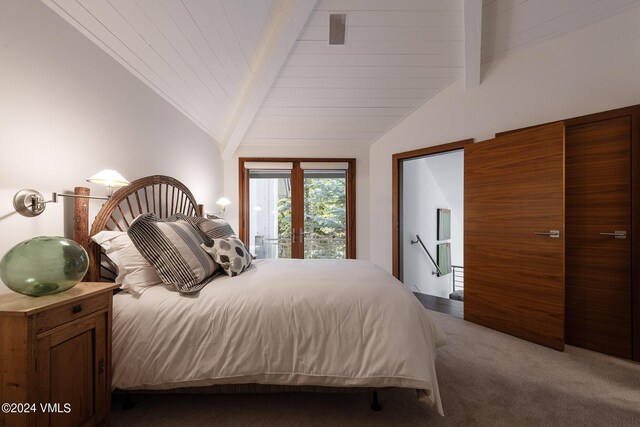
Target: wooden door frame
[
  {"x": 243, "y": 175},
  {"x": 396, "y": 193}
]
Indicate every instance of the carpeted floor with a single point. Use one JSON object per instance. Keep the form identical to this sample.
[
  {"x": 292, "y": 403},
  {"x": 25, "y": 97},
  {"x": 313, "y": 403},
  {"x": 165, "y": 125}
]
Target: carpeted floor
[{"x": 486, "y": 379}]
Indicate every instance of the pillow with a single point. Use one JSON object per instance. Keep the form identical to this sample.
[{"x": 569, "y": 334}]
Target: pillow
[
  {"x": 230, "y": 253},
  {"x": 173, "y": 247},
  {"x": 215, "y": 228},
  {"x": 135, "y": 274}
]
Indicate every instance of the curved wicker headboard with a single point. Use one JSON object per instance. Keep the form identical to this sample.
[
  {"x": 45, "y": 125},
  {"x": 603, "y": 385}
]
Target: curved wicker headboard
[{"x": 157, "y": 194}]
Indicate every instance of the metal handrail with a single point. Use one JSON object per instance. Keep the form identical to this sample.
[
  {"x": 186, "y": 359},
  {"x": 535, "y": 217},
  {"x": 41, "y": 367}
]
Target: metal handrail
[
  {"x": 458, "y": 276},
  {"x": 419, "y": 240}
]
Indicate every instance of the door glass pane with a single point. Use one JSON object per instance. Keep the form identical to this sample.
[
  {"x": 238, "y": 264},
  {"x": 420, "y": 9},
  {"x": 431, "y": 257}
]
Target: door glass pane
[
  {"x": 270, "y": 213},
  {"x": 325, "y": 214}
]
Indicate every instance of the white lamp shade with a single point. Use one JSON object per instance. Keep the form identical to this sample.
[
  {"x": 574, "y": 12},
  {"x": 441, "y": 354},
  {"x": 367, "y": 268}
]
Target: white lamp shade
[
  {"x": 109, "y": 178},
  {"x": 223, "y": 201}
]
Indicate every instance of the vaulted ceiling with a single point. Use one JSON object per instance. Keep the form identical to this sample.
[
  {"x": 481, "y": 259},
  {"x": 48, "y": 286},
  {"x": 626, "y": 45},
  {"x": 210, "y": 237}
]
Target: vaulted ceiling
[{"x": 261, "y": 72}]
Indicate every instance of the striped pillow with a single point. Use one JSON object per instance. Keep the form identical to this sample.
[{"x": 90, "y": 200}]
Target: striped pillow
[
  {"x": 173, "y": 247},
  {"x": 215, "y": 228}
]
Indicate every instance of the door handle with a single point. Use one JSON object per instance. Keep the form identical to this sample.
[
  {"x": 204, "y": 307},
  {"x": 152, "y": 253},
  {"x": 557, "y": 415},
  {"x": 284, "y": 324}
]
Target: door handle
[
  {"x": 616, "y": 234},
  {"x": 293, "y": 235},
  {"x": 554, "y": 234}
]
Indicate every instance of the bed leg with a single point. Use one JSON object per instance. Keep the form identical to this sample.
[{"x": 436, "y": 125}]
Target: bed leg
[
  {"x": 127, "y": 401},
  {"x": 375, "y": 404}
]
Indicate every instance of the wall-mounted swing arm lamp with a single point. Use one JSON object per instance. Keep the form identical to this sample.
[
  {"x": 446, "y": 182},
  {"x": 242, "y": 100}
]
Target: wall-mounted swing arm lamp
[
  {"x": 31, "y": 203},
  {"x": 223, "y": 202}
]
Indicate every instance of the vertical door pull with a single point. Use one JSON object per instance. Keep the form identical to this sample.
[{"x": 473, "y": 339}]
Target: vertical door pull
[
  {"x": 293, "y": 235},
  {"x": 554, "y": 234},
  {"x": 616, "y": 234}
]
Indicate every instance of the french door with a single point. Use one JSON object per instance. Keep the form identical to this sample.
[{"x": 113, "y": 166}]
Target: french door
[{"x": 298, "y": 208}]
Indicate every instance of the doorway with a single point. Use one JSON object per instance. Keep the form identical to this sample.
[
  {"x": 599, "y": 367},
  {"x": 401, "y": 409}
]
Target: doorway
[
  {"x": 298, "y": 208},
  {"x": 432, "y": 224},
  {"x": 428, "y": 225}
]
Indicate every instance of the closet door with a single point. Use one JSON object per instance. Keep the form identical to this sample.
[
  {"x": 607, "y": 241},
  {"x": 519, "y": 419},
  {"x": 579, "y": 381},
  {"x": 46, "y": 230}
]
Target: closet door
[
  {"x": 598, "y": 265},
  {"x": 514, "y": 238}
]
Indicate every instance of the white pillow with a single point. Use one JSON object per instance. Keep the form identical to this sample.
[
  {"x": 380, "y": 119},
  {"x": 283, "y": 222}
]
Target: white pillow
[{"x": 135, "y": 274}]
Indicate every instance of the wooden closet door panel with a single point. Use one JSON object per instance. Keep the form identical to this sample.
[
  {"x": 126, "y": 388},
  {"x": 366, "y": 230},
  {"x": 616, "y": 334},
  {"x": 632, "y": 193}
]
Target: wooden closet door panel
[
  {"x": 598, "y": 281},
  {"x": 514, "y": 279}
]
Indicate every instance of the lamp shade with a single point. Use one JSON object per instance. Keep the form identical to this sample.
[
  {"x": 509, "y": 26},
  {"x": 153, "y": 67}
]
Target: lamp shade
[
  {"x": 223, "y": 201},
  {"x": 109, "y": 178}
]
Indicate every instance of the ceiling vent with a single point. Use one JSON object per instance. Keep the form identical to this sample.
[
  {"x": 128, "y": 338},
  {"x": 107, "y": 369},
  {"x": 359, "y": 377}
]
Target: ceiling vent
[{"x": 337, "y": 28}]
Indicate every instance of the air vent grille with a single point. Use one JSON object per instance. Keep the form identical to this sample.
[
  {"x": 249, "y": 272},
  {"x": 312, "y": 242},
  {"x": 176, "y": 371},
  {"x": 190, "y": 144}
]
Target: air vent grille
[{"x": 337, "y": 28}]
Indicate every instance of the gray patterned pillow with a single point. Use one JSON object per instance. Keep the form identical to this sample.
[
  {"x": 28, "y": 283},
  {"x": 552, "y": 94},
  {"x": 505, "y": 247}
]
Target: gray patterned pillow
[
  {"x": 173, "y": 247},
  {"x": 230, "y": 253}
]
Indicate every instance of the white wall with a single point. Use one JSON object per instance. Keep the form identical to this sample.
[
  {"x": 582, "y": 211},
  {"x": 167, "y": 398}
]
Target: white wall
[
  {"x": 360, "y": 153},
  {"x": 593, "y": 69},
  {"x": 68, "y": 110},
  {"x": 429, "y": 184}
]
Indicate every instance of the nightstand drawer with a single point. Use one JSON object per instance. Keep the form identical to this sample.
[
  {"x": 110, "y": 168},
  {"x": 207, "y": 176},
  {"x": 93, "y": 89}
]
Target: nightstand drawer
[{"x": 66, "y": 313}]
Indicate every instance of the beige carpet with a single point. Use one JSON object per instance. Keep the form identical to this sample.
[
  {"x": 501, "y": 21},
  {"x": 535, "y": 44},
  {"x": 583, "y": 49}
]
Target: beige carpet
[{"x": 486, "y": 379}]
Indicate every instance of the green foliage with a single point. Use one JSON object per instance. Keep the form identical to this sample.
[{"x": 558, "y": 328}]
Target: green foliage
[{"x": 324, "y": 220}]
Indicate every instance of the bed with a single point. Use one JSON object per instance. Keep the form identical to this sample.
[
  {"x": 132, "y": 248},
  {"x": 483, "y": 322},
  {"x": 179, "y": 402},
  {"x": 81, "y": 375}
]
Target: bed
[{"x": 323, "y": 324}]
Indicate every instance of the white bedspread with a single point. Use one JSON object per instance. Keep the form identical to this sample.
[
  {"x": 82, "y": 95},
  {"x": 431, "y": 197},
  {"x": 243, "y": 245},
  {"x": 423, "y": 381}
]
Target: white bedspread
[{"x": 342, "y": 323}]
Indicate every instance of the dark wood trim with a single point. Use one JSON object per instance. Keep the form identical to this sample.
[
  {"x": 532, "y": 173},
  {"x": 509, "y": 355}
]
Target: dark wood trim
[
  {"x": 297, "y": 176},
  {"x": 351, "y": 210},
  {"x": 635, "y": 229},
  {"x": 243, "y": 201},
  {"x": 297, "y": 210},
  {"x": 396, "y": 194}
]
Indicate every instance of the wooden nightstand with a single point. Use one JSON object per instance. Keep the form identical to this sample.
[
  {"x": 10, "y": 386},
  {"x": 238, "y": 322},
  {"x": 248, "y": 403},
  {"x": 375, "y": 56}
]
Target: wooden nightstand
[{"x": 55, "y": 350}]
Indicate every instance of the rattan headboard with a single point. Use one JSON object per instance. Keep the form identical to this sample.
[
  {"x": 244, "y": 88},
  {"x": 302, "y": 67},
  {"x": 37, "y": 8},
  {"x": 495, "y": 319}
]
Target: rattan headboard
[{"x": 158, "y": 194}]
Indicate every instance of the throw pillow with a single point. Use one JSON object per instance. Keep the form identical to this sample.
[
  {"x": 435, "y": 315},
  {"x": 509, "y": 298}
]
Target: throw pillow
[
  {"x": 135, "y": 274},
  {"x": 173, "y": 247},
  {"x": 230, "y": 253}
]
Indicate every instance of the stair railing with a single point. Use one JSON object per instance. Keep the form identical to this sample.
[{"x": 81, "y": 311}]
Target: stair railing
[{"x": 419, "y": 240}]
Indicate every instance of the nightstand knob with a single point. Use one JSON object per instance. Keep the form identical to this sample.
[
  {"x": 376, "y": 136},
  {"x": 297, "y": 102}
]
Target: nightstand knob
[{"x": 76, "y": 309}]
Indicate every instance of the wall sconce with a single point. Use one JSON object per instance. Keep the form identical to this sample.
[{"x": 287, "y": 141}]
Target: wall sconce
[
  {"x": 31, "y": 203},
  {"x": 223, "y": 202}
]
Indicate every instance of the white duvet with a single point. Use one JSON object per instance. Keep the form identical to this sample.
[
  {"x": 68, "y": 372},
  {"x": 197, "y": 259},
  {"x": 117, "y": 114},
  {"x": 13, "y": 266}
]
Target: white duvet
[{"x": 341, "y": 323}]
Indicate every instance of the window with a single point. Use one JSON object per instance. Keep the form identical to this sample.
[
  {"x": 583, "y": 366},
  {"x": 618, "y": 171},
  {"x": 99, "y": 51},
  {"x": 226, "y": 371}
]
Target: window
[{"x": 298, "y": 208}]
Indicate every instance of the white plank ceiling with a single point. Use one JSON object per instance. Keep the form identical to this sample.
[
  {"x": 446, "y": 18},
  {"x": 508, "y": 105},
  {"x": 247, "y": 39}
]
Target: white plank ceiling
[
  {"x": 197, "y": 54},
  {"x": 397, "y": 55},
  {"x": 203, "y": 56},
  {"x": 508, "y": 25}
]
